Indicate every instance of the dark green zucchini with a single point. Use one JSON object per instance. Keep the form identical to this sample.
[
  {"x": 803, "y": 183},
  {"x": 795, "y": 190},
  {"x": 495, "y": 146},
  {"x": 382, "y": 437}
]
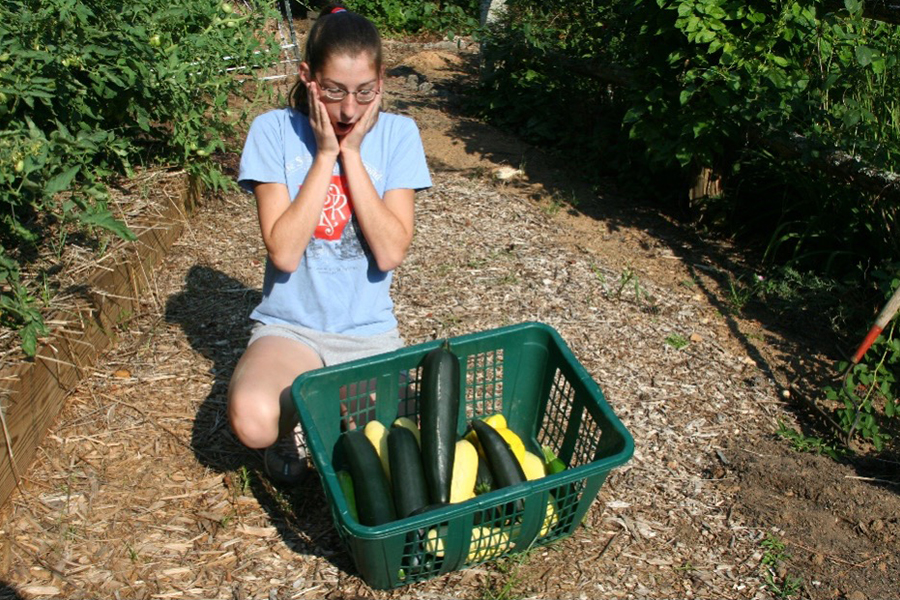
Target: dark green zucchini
[
  {"x": 484, "y": 481},
  {"x": 370, "y": 484},
  {"x": 438, "y": 416},
  {"x": 407, "y": 473},
  {"x": 504, "y": 467},
  {"x": 500, "y": 458},
  {"x": 429, "y": 508},
  {"x": 416, "y": 559}
]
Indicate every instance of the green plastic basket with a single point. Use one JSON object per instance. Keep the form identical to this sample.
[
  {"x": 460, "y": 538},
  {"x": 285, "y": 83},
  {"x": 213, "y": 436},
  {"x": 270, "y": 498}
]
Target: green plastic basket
[{"x": 527, "y": 373}]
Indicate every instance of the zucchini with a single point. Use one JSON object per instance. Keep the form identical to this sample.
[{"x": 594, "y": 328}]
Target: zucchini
[
  {"x": 428, "y": 508},
  {"x": 514, "y": 441},
  {"x": 484, "y": 482},
  {"x": 409, "y": 424},
  {"x": 346, "y": 483},
  {"x": 415, "y": 555},
  {"x": 503, "y": 463},
  {"x": 370, "y": 485},
  {"x": 504, "y": 467},
  {"x": 408, "y": 480},
  {"x": 438, "y": 416}
]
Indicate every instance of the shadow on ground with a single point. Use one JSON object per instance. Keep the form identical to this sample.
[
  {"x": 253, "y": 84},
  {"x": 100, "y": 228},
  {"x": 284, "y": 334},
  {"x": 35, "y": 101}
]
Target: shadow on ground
[
  {"x": 213, "y": 310},
  {"x": 8, "y": 592}
]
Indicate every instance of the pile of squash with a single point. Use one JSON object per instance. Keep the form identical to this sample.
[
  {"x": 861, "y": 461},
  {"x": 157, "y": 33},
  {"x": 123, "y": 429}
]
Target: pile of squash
[{"x": 405, "y": 469}]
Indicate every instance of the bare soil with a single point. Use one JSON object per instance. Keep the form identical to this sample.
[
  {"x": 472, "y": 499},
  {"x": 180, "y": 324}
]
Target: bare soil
[{"x": 140, "y": 491}]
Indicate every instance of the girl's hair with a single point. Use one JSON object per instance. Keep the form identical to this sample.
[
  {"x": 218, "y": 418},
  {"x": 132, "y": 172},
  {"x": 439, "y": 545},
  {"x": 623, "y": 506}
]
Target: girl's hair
[{"x": 336, "y": 32}]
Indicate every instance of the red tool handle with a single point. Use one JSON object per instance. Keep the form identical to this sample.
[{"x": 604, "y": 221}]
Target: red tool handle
[
  {"x": 884, "y": 317},
  {"x": 870, "y": 338}
]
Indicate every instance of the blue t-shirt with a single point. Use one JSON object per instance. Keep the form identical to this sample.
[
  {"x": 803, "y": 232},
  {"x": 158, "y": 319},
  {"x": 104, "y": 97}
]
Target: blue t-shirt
[{"x": 338, "y": 287}]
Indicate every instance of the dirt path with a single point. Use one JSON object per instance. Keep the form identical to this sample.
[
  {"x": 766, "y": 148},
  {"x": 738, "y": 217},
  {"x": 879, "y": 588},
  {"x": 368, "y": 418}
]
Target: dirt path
[{"x": 141, "y": 492}]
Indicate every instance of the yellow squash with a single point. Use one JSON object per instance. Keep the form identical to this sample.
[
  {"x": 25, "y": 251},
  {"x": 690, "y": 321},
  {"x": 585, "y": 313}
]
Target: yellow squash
[
  {"x": 378, "y": 435},
  {"x": 486, "y": 543},
  {"x": 465, "y": 472},
  {"x": 533, "y": 466},
  {"x": 497, "y": 421},
  {"x": 411, "y": 425}
]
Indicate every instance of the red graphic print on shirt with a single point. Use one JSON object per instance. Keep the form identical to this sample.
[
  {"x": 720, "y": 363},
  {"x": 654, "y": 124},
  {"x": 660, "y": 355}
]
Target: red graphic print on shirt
[{"x": 336, "y": 212}]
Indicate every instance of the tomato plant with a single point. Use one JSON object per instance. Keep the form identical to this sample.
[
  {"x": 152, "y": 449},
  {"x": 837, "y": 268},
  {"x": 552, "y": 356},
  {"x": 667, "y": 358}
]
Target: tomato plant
[{"x": 90, "y": 88}]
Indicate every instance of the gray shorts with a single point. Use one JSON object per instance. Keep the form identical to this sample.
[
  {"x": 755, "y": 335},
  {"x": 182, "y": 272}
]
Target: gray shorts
[{"x": 332, "y": 348}]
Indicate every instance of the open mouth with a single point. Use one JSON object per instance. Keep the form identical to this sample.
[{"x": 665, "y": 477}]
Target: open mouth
[{"x": 341, "y": 128}]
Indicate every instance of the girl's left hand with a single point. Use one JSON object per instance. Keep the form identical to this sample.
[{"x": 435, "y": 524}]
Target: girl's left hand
[{"x": 353, "y": 140}]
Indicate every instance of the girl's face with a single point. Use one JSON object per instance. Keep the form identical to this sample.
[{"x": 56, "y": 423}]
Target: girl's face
[{"x": 345, "y": 75}]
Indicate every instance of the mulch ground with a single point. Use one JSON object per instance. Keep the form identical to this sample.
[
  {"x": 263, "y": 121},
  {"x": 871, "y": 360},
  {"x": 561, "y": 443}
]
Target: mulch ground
[{"x": 141, "y": 491}]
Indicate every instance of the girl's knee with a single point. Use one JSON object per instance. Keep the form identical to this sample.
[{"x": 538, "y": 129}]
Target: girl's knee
[{"x": 253, "y": 420}]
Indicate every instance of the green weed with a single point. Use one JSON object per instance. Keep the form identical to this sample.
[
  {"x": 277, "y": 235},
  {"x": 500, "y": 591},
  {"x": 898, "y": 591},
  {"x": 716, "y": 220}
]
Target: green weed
[
  {"x": 739, "y": 294},
  {"x": 774, "y": 556},
  {"x": 677, "y": 341},
  {"x": 629, "y": 279},
  {"x": 244, "y": 480},
  {"x": 552, "y": 206},
  {"x": 687, "y": 567},
  {"x": 132, "y": 553},
  {"x": 511, "y": 567},
  {"x": 806, "y": 443}
]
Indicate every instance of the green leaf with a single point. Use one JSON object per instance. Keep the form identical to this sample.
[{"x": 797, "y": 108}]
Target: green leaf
[
  {"x": 104, "y": 219},
  {"x": 28, "y": 334},
  {"x": 61, "y": 181},
  {"x": 854, "y": 7},
  {"x": 864, "y": 55}
]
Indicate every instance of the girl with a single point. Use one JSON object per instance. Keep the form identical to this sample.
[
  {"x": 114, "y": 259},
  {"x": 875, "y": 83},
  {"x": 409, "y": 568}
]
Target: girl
[{"x": 334, "y": 181}]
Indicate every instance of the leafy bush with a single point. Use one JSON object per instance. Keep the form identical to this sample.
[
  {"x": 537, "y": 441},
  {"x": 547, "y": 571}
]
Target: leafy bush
[
  {"x": 405, "y": 16},
  {"x": 653, "y": 91},
  {"x": 529, "y": 88},
  {"x": 869, "y": 399},
  {"x": 90, "y": 88}
]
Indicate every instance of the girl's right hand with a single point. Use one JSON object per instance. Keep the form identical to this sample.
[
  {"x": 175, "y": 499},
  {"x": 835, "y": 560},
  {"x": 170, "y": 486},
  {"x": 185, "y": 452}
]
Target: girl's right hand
[{"x": 326, "y": 140}]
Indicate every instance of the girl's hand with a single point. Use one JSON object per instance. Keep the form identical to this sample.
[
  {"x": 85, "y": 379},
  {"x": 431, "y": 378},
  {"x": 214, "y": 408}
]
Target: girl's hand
[
  {"x": 353, "y": 140},
  {"x": 326, "y": 140}
]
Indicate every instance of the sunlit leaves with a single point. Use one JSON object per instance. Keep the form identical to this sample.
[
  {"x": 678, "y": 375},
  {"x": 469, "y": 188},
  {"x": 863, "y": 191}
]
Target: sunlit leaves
[{"x": 88, "y": 89}]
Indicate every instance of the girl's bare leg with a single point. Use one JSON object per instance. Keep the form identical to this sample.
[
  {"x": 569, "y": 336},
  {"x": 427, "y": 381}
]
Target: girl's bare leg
[{"x": 259, "y": 395}]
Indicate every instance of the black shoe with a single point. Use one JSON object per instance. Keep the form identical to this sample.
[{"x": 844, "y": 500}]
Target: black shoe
[{"x": 285, "y": 460}]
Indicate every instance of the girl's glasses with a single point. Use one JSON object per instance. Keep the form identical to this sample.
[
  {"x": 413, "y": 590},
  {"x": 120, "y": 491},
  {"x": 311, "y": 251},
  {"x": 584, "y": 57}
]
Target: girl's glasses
[{"x": 362, "y": 96}]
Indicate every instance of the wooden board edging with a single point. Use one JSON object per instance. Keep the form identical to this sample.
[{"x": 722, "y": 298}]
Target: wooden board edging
[{"x": 33, "y": 393}]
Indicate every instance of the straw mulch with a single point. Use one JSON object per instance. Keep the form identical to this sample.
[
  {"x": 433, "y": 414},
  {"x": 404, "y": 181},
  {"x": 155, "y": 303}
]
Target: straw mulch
[{"x": 141, "y": 491}]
